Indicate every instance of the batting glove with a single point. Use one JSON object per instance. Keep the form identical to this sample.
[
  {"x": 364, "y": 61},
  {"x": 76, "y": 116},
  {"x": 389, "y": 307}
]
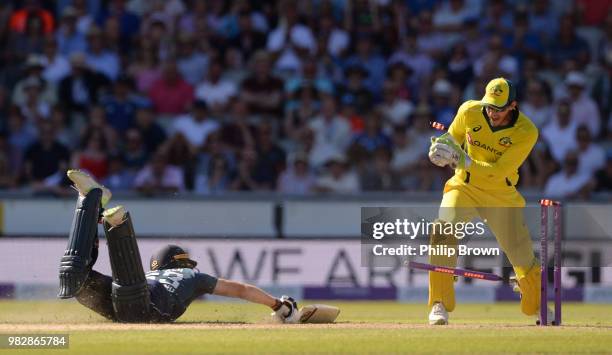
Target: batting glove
[{"x": 288, "y": 311}]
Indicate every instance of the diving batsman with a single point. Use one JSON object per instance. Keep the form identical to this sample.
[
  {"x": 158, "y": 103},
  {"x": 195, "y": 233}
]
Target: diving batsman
[
  {"x": 131, "y": 295},
  {"x": 486, "y": 144}
]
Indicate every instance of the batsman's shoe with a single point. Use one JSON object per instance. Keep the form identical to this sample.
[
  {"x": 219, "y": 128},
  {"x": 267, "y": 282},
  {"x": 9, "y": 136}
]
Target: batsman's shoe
[
  {"x": 287, "y": 312},
  {"x": 85, "y": 183},
  {"x": 114, "y": 216},
  {"x": 438, "y": 315}
]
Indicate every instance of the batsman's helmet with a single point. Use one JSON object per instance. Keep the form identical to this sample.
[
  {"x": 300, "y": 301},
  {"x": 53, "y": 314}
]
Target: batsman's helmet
[{"x": 171, "y": 257}]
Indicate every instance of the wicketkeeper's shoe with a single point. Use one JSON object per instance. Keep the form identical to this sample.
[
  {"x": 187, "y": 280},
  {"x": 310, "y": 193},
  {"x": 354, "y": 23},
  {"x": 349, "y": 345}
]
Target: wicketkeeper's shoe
[
  {"x": 438, "y": 315},
  {"x": 114, "y": 216},
  {"x": 85, "y": 183}
]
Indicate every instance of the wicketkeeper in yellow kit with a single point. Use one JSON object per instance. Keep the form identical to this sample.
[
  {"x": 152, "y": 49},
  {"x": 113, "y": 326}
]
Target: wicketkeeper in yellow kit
[{"x": 486, "y": 144}]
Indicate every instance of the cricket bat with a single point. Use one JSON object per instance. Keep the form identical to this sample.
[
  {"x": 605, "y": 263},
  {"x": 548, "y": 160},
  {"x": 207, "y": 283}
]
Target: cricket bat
[{"x": 319, "y": 313}]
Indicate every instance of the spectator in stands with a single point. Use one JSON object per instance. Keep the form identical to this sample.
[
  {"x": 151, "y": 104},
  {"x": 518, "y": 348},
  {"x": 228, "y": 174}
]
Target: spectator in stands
[
  {"x": 29, "y": 29},
  {"x": 568, "y": 183},
  {"x": 452, "y": 14},
  {"x": 543, "y": 20},
  {"x": 236, "y": 132},
  {"x": 337, "y": 178},
  {"x": 537, "y": 103},
  {"x": 21, "y": 135},
  {"x": 271, "y": 158},
  {"x": 196, "y": 126},
  {"x": 372, "y": 138},
  {"x": 399, "y": 75},
  {"x": 420, "y": 63},
  {"x": 298, "y": 178},
  {"x": 159, "y": 177},
  {"x": 31, "y": 10},
  {"x": 336, "y": 39},
  {"x": 379, "y": 176},
  {"x": 246, "y": 178},
  {"x": 460, "y": 70},
  {"x": 408, "y": 144},
  {"x": 181, "y": 154},
  {"x": 57, "y": 65},
  {"x": 34, "y": 108},
  {"x": 444, "y": 102},
  {"x": 496, "y": 60},
  {"x": 262, "y": 91},
  {"x": 119, "y": 178},
  {"x": 129, "y": 23},
  {"x": 395, "y": 110},
  {"x": 135, "y": 154},
  {"x": 61, "y": 125},
  {"x": 568, "y": 46},
  {"x": 99, "y": 57},
  {"x": 498, "y": 18},
  {"x": 353, "y": 88},
  {"x": 82, "y": 8},
  {"x": 171, "y": 94},
  {"x": 152, "y": 133},
  {"x": 475, "y": 43},
  {"x": 373, "y": 63},
  {"x": 215, "y": 146},
  {"x": 34, "y": 67},
  {"x": 145, "y": 68},
  {"x": 247, "y": 38},
  {"x": 45, "y": 160},
  {"x": 69, "y": 39},
  {"x": 592, "y": 157},
  {"x": 523, "y": 43},
  {"x": 584, "y": 109},
  {"x": 121, "y": 106},
  {"x": 560, "y": 129},
  {"x": 291, "y": 40},
  {"x": 98, "y": 122},
  {"x": 192, "y": 64},
  {"x": 82, "y": 87},
  {"x": 92, "y": 154},
  {"x": 198, "y": 12},
  {"x": 215, "y": 91},
  {"x": 302, "y": 105},
  {"x": 430, "y": 41},
  {"x": 217, "y": 180},
  {"x": 332, "y": 133}
]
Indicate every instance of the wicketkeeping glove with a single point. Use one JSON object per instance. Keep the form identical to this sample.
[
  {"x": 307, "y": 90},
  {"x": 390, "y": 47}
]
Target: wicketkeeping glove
[{"x": 445, "y": 151}]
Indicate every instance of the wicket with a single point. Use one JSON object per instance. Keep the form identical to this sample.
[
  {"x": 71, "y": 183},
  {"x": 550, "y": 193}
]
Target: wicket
[{"x": 557, "y": 235}]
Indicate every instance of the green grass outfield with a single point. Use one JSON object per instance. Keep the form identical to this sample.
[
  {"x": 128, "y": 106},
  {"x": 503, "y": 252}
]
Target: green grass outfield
[{"x": 363, "y": 327}]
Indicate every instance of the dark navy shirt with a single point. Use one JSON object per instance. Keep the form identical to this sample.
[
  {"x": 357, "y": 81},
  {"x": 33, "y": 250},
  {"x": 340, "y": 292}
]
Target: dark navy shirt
[{"x": 172, "y": 290}]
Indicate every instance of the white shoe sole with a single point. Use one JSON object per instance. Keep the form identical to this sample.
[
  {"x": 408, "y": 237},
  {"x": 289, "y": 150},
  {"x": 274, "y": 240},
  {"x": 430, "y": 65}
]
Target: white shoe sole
[
  {"x": 438, "y": 322},
  {"x": 114, "y": 216},
  {"x": 85, "y": 183}
]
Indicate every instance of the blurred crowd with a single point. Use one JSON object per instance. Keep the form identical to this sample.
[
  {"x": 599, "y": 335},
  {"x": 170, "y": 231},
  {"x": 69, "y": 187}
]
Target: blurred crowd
[{"x": 299, "y": 97}]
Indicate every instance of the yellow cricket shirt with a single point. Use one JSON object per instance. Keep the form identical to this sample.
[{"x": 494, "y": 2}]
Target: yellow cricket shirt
[{"x": 496, "y": 152}]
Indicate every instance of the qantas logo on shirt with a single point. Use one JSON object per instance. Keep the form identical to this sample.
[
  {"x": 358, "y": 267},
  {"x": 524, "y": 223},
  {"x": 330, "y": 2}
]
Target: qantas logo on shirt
[{"x": 481, "y": 145}]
